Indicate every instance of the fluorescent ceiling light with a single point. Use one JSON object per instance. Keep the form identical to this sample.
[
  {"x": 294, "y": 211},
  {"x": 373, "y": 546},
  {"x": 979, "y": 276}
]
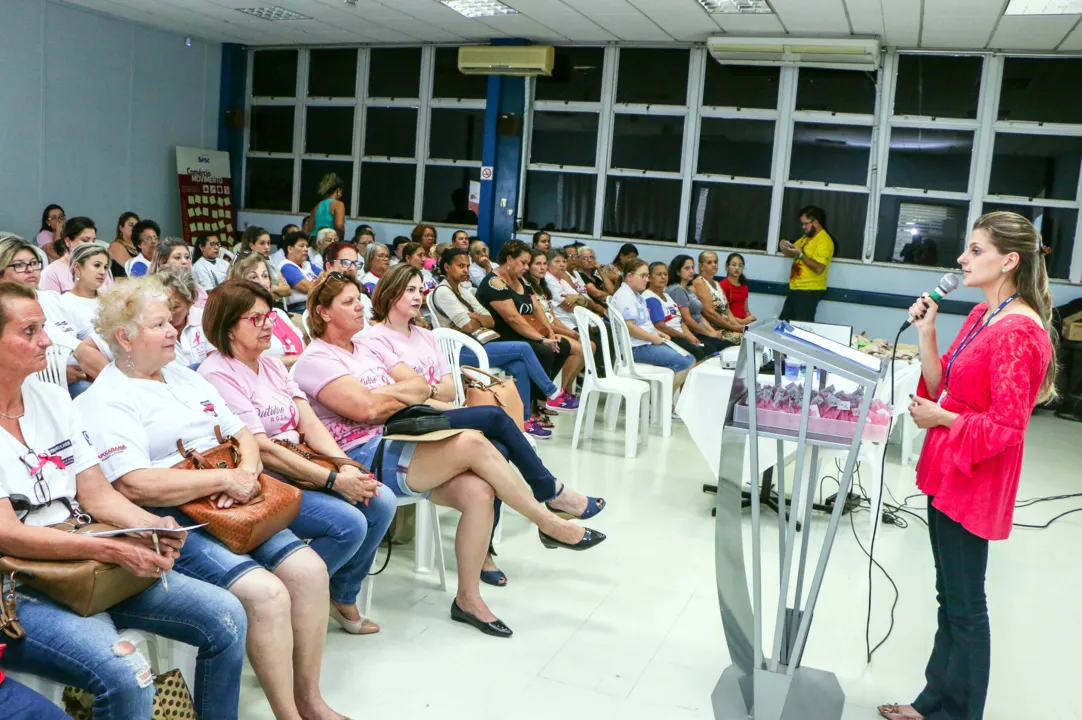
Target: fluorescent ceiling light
[
  {"x": 1044, "y": 7},
  {"x": 733, "y": 7},
  {"x": 273, "y": 13},
  {"x": 479, "y": 8}
]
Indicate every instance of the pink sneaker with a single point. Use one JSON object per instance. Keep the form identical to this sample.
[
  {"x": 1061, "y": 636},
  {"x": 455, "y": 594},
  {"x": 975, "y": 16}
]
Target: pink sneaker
[
  {"x": 534, "y": 429},
  {"x": 563, "y": 403}
]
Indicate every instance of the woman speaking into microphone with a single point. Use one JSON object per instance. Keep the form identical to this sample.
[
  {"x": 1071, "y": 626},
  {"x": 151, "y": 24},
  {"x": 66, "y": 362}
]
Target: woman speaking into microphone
[{"x": 975, "y": 402}]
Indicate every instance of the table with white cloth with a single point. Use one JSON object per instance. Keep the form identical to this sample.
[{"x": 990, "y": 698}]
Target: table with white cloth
[{"x": 705, "y": 398}]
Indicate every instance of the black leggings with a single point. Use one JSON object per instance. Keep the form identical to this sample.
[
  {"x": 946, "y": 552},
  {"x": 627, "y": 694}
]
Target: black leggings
[
  {"x": 696, "y": 351},
  {"x": 713, "y": 345}
]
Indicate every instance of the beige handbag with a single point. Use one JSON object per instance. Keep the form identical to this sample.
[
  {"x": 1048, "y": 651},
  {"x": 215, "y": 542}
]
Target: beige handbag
[{"x": 501, "y": 393}]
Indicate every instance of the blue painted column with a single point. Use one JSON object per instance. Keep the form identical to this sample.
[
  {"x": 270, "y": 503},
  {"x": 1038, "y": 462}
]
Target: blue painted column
[
  {"x": 234, "y": 84},
  {"x": 502, "y": 152}
]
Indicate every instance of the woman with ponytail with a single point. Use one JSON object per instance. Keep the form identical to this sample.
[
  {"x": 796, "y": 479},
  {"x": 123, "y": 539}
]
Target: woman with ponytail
[{"x": 976, "y": 402}]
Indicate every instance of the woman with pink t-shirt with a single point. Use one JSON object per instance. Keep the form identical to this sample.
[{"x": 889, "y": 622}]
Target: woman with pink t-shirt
[
  {"x": 347, "y": 520},
  {"x": 353, "y": 393},
  {"x": 395, "y": 338}
]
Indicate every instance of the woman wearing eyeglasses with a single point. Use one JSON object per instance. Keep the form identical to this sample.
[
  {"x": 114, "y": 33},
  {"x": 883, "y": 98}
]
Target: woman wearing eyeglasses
[
  {"x": 377, "y": 259},
  {"x": 210, "y": 267},
  {"x": 52, "y": 225},
  {"x": 347, "y": 520},
  {"x": 287, "y": 340},
  {"x": 352, "y": 392},
  {"x": 143, "y": 404},
  {"x": 20, "y": 264},
  {"x": 49, "y": 471}
]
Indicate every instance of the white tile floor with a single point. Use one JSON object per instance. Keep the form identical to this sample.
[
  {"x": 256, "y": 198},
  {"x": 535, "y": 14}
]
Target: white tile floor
[{"x": 631, "y": 629}]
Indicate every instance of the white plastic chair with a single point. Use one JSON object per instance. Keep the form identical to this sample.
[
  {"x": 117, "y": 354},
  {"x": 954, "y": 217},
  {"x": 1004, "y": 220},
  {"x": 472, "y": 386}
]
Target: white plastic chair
[
  {"x": 630, "y": 389},
  {"x": 159, "y": 653},
  {"x": 451, "y": 344},
  {"x": 427, "y": 546},
  {"x": 56, "y": 366},
  {"x": 660, "y": 379},
  {"x": 433, "y": 316}
]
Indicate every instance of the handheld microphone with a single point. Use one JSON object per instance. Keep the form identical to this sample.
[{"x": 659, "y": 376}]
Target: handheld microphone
[{"x": 946, "y": 284}]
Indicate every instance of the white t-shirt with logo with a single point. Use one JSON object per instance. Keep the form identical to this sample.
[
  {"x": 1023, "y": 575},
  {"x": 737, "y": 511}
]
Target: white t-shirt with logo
[
  {"x": 57, "y": 327},
  {"x": 137, "y": 422},
  {"x": 56, "y": 439},
  {"x": 79, "y": 313},
  {"x": 192, "y": 346}
]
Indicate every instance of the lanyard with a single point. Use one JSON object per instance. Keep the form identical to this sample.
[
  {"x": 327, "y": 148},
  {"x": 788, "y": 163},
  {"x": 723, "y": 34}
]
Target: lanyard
[{"x": 971, "y": 336}]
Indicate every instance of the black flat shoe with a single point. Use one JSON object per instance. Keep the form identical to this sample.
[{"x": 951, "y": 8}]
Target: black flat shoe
[
  {"x": 496, "y": 628},
  {"x": 589, "y": 540}
]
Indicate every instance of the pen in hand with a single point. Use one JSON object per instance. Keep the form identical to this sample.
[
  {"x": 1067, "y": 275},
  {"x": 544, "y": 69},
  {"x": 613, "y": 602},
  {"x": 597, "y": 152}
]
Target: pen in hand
[{"x": 161, "y": 573}]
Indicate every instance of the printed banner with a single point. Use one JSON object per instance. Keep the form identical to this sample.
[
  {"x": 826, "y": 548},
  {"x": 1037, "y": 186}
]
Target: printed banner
[{"x": 206, "y": 193}]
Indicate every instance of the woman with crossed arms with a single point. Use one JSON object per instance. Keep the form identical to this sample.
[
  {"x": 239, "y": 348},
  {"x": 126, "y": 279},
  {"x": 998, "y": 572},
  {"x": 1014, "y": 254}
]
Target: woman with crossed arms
[{"x": 353, "y": 393}]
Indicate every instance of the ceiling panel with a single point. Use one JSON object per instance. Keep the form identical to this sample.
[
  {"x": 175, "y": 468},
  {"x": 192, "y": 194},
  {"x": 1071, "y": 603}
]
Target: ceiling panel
[
  {"x": 685, "y": 21},
  {"x": 752, "y": 24},
  {"x": 521, "y": 26},
  {"x": 1031, "y": 32},
  {"x": 866, "y": 16},
  {"x": 819, "y": 17},
  {"x": 621, "y": 19},
  {"x": 564, "y": 19},
  {"x": 1073, "y": 43},
  {"x": 902, "y": 20},
  {"x": 959, "y": 23}
]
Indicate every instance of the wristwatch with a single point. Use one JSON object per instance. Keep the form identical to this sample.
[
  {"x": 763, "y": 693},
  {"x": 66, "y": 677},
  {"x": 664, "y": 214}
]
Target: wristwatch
[{"x": 330, "y": 480}]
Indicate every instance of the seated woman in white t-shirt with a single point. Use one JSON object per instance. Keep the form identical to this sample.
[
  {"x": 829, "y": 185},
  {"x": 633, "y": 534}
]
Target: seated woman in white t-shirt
[
  {"x": 297, "y": 271},
  {"x": 568, "y": 290},
  {"x": 665, "y": 313},
  {"x": 376, "y": 261},
  {"x": 647, "y": 343},
  {"x": 187, "y": 319},
  {"x": 209, "y": 268},
  {"x": 143, "y": 404},
  {"x": 90, "y": 267},
  {"x": 396, "y": 338},
  {"x": 352, "y": 392},
  {"x": 21, "y": 264},
  {"x": 175, "y": 253},
  {"x": 145, "y": 235},
  {"x": 49, "y": 472},
  {"x": 343, "y": 513},
  {"x": 287, "y": 340}
]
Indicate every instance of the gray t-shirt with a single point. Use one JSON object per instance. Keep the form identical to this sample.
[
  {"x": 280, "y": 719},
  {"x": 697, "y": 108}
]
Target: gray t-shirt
[{"x": 688, "y": 299}]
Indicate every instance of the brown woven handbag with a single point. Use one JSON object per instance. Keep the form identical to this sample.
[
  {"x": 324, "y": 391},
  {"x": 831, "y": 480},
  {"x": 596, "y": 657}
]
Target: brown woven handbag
[
  {"x": 501, "y": 393},
  {"x": 242, "y": 528}
]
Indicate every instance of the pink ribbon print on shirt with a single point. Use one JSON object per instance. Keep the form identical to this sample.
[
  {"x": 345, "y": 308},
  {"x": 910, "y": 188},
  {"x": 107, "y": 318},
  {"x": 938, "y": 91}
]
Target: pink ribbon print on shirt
[{"x": 43, "y": 460}]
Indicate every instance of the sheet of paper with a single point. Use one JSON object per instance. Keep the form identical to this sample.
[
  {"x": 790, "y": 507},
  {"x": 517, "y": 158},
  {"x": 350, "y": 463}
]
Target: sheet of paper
[
  {"x": 863, "y": 359},
  {"x": 159, "y": 530}
]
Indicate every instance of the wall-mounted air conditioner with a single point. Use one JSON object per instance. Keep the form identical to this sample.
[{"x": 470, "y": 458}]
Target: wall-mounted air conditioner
[
  {"x": 837, "y": 53},
  {"x": 506, "y": 59}
]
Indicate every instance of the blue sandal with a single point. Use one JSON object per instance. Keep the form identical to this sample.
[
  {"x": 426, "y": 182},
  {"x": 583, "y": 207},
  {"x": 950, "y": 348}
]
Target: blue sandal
[
  {"x": 494, "y": 577},
  {"x": 593, "y": 507}
]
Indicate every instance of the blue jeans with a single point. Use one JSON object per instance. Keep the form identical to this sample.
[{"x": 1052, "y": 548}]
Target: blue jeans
[
  {"x": 662, "y": 356},
  {"x": 345, "y": 536},
  {"x": 518, "y": 359},
  {"x": 500, "y": 430},
  {"x": 78, "y": 387},
  {"x": 957, "y": 672},
  {"x": 397, "y": 455},
  {"x": 83, "y": 652},
  {"x": 18, "y": 702}
]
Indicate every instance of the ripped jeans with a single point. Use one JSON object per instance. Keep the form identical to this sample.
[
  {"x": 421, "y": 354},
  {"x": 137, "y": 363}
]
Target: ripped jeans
[{"x": 87, "y": 653}]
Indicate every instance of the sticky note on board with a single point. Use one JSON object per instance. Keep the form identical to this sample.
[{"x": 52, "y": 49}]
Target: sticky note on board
[
  {"x": 191, "y": 227},
  {"x": 229, "y": 227}
]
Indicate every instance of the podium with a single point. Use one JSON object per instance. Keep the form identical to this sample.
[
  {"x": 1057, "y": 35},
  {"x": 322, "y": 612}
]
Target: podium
[{"x": 776, "y": 686}]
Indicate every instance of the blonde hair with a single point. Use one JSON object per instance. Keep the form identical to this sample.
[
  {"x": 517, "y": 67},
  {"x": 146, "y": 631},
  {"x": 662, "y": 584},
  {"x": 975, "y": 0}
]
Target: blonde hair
[
  {"x": 122, "y": 307},
  {"x": 329, "y": 184},
  {"x": 84, "y": 252},
  {"x": 12, "y": 245},
  {"x": 1012, "y": 233}
]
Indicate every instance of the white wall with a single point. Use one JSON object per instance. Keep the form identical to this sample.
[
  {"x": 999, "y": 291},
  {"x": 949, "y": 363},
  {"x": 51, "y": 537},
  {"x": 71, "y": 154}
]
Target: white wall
[
  {"x": 878, "y": 322},
  {"x": 91, "y": 109}
]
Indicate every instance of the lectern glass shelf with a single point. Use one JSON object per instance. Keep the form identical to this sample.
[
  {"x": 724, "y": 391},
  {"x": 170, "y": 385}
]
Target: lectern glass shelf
[{"x": 771, "y": 684}]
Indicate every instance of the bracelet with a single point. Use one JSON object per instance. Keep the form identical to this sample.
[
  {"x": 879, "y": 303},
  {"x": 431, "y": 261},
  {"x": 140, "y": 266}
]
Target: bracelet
[{"x": 330, "y": 480}]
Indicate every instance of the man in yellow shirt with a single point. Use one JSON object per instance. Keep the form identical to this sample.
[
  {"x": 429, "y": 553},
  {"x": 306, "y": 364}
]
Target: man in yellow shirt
[{"x": 811, "y": 255}]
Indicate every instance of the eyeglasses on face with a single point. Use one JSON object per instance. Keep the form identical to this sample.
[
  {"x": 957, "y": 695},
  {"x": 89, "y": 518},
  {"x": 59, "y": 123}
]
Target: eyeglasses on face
[
  {"x": 347, "y": 264},
  {"x": 25, "y": 267},
  {"x": 214, "y": 245},
  {"x": 54, "y": 218},
  {"x": 258, "y": 319}
]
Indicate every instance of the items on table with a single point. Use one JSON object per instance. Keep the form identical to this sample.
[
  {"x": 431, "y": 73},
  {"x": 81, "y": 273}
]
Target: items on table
[
  {"x": 882, "y": 349},
  {"x": 828, "y": 403}
]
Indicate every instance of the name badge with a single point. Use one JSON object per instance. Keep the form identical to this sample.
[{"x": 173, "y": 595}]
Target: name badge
[{"x": 942, "y": 396}]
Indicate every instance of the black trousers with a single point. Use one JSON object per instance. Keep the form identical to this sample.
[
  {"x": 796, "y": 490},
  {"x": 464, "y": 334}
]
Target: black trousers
[
  {"x": 800, "y": 305},
  {"x": 957, "y": 672}
]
